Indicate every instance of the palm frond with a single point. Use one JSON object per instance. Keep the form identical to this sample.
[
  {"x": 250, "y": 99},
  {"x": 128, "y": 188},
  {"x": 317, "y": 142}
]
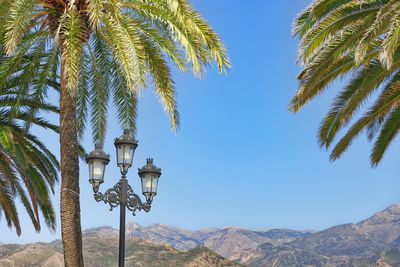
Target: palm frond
[
  {"x": 72, "y": 34},
  {"x": 389, "y": 131},
  {"x": 19, "y": 18},
  {"x": 163, "y": 83}
]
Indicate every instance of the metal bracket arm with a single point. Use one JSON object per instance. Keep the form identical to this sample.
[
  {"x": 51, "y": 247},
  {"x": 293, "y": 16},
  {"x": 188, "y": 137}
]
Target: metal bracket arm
[{"x": 113, "y": 197}]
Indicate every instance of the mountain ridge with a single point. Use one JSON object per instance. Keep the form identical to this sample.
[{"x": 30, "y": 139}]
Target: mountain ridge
[
  {"x": 374, "y": 241},
  {"x": 340, "y": 244}
]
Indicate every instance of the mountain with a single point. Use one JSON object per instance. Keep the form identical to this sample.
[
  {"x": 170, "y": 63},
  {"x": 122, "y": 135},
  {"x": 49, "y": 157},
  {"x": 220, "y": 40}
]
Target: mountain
[
  {"x": 340, "y": 240},
  {"x": 37, "y": 254},
  {"x": 236, "y": 244},
  {"x": 376, "y": 234},
  {"x": 180, "y": 239},
  {"x": 372, "y": 242},
  {"x": 102, "y": 251},
  {"x": 243, "y": 245},
  {"x": 369, "y": 242},
  {"x": 384, "y": 225},
  {"x": 281, "y": 255}
]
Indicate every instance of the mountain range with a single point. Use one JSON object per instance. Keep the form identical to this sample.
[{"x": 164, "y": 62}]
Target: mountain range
[
  {"x": 102, "y": 251},
  {"x": 372, "y": 242}
]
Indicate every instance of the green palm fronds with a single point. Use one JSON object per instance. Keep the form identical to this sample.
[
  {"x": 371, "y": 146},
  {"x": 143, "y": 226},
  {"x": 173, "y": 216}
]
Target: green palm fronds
[
  {"x": 28, "y": 170},
  {"x": 342, "y": 37},
  {"x": 93, "y": 52},
  {"x": 110, "y": 47},
  {"x": 102, "y": 52}
]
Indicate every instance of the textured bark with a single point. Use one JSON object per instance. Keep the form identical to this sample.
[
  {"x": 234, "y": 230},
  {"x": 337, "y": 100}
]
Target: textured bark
[{"x": 70, "y": 207}]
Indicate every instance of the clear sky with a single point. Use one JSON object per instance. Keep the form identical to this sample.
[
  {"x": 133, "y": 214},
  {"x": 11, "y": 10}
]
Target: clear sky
[{"x": 240, "y": 159}]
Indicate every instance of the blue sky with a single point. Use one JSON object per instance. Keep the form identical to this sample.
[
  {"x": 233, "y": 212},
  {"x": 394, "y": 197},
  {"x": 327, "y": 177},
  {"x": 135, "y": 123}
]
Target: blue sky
[{"x": 240, "y": 159}]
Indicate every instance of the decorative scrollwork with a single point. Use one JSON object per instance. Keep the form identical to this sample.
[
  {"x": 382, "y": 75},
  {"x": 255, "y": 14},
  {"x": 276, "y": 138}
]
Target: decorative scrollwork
[
  {"x": 113, "y": 197},
  {"x": 134, "y": 202}
]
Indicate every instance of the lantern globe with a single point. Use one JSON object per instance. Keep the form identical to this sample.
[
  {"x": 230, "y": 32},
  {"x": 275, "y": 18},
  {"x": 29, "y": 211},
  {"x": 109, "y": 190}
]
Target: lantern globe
[
  {"x": 149, "y": 175},
  {"x": 125, "y": 147},
  {"x": 97, "y": 161}
]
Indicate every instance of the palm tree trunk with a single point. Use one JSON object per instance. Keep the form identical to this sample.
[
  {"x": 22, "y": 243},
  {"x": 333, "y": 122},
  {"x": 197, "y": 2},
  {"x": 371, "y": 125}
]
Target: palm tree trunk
[{"x": 70, "y": 208}]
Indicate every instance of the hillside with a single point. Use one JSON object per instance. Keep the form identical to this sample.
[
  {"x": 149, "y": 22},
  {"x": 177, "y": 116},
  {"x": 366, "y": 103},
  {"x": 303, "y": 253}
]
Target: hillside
[
  {"x": 103, "y": 251},
  {"x": 372, "y": 242}
]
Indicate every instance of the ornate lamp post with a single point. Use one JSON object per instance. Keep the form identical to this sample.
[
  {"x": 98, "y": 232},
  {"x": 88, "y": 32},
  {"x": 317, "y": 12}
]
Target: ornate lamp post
[{"x": 122, "y": 193}]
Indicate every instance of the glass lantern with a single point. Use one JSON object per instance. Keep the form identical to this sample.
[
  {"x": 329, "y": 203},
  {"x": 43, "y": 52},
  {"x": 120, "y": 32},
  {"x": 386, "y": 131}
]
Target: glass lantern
[
  {"x": 125, "y": 146},
  {"x": 149, "y": 176},
  {"x": 97, "y": 161}
]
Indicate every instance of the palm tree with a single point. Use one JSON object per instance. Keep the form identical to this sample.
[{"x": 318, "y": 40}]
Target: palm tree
[
  {"x": 358, "y": 40},
  {"x": 28, "y": 170},
  {"x": 100, "y": 49}
]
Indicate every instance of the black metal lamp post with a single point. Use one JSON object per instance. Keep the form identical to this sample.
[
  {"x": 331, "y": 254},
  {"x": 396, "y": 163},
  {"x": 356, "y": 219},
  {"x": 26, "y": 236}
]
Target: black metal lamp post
[{"x": 122, "y": 193}]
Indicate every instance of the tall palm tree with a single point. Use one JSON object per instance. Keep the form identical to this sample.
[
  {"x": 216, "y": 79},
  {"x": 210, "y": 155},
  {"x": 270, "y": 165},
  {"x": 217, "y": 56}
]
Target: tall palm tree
[
  {"x": 358, "y": 40},
  {"x": 102, "y": 48},
  {"x": 28, "y": 170}
]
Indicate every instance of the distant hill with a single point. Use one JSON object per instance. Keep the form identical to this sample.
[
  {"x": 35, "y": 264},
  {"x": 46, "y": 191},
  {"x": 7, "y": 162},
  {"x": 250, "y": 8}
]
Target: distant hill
[
  {"x": 372, "y": 242},
  {"x": 237, "y": 244},
  {"x": 102, "y": 251}
]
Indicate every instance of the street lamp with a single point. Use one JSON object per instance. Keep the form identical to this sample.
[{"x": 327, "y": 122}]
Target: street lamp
[
  {"x": 149, "y": 176},
  {"x": 97, "y": 161},
  {"x": 126, "y": 146},
  {"x": 122, "y": 193}
]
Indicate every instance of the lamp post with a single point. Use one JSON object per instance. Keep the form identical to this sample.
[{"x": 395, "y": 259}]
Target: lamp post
[{"x": 122, "y": 194}]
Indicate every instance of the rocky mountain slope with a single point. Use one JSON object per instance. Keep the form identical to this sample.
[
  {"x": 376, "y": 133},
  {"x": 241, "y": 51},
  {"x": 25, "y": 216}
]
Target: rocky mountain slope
[
  {"x": 102, "y": 251},
  {"x": 237, "y": 244},
  {"x": 372, "y": 242}
]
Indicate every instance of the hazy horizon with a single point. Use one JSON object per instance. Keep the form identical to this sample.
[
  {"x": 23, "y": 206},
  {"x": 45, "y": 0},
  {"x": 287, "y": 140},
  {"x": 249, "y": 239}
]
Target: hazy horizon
[{"x": 132, "y": 221}]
